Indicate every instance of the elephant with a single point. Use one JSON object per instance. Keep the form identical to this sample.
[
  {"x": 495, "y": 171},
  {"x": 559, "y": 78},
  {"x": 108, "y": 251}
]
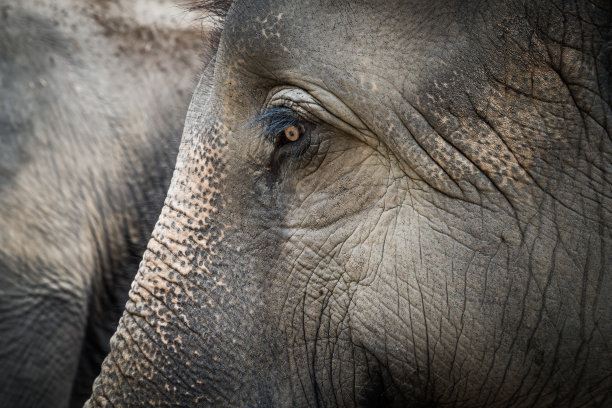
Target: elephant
[
  {"x": 93, "y": 96},
  {"x": 400, "y": 203}
]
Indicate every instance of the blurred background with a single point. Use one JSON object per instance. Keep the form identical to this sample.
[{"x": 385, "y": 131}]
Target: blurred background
[{"x": 93, "y": 96}]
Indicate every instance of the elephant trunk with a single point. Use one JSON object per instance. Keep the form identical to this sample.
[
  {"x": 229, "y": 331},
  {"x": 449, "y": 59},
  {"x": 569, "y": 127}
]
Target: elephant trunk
[
  {"x": 191, "y": 310},
  {"x": 164, "y": 350}
]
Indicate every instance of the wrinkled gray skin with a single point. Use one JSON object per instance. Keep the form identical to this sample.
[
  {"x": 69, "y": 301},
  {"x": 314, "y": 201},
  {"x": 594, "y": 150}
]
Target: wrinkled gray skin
[
  {"x": 92, "y": 101},
  {"x": 444, "y": 239}
]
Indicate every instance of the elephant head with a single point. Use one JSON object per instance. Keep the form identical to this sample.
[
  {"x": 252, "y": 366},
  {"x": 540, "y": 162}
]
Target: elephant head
[{"x": 400, "y": 203}]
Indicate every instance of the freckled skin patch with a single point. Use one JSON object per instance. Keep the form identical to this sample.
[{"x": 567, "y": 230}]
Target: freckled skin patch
[{"x": 421, "y": 251}]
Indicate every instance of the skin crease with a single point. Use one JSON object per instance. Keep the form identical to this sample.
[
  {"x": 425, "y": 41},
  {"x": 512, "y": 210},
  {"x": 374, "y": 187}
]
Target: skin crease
[
  {"x": 442, "y": 241},
  {"x": 92, "y": 100}
]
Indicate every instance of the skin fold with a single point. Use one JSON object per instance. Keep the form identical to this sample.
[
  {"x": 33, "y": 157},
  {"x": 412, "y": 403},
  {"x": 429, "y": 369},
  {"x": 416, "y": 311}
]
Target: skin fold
[
  {"x": 92, "y": 100},
  {"x": 439, "y": 235}
]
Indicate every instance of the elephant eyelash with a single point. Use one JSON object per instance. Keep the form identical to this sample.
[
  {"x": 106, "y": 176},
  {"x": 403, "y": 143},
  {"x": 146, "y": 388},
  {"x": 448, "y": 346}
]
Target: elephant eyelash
[
  {"x": 274, "y": 121},
  {"x": 288, "y": 132}
]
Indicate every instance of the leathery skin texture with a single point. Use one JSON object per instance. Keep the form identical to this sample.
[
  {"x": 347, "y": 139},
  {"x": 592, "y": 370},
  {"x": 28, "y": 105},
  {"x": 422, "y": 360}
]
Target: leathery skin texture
[{"x": 438, "y": 235}]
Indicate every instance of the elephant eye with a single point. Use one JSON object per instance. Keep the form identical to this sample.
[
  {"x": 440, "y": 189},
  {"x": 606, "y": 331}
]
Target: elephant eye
[
  {"x": 281, "y": 126},
  {"x": 288, "y": 132},
  {"x": 293, "y": 133}
]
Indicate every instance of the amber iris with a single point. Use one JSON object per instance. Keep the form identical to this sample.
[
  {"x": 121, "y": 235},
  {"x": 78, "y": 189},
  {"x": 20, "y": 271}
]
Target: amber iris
[{"x": 293, "y": 133}]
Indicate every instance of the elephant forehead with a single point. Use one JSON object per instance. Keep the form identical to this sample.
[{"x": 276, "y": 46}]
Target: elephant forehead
[{"x": 277, "y": 36}]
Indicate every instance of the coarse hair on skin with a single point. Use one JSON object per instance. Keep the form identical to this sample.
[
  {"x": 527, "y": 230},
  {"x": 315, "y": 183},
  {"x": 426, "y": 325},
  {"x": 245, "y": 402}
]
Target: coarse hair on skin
[
  {"x": 212, "y": 14},
  {"x": 216, "y": 8}
]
